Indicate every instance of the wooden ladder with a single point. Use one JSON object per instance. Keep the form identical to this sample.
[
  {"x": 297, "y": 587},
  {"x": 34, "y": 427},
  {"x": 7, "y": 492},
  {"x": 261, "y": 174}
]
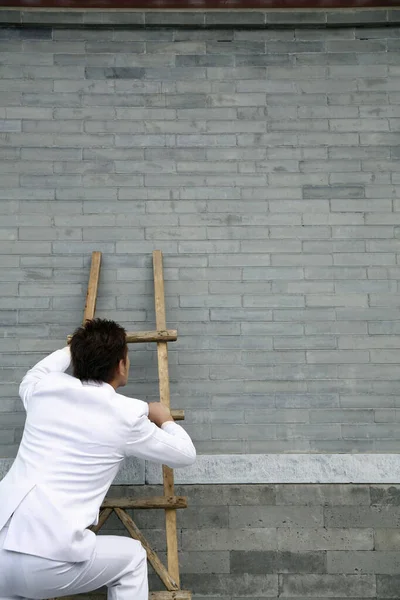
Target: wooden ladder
[{"x": 169, "y": 502}]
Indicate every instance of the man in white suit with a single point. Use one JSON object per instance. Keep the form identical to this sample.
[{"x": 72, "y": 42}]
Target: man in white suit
[{"x": 78, "y": 431}]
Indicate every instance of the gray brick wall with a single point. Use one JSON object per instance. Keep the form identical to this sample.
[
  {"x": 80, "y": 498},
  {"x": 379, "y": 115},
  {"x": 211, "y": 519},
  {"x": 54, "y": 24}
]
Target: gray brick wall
[
  {"x": 264, "y": 163},
  {"x": 294, "y": 541}
]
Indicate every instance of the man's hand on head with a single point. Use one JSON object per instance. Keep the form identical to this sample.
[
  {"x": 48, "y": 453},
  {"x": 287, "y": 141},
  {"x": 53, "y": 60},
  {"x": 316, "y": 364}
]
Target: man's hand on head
[{"x": 159, "y": 414}]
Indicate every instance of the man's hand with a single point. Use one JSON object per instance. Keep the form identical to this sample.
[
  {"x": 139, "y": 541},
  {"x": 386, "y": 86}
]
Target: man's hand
[{"x": 159, "y": 414}]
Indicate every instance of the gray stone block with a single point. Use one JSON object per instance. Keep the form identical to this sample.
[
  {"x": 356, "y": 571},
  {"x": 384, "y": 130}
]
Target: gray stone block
[
  {"x": 306, "y": 540},
  {"x": 387, "y": 540},
  {"x": 6, "y": 436},
  {"x": 360, "y": 517},
  {"x": 274, "y": 516},
  {"x": 205, "y": 562},
  {"x": 322, "y": 586},
  {"x": 363, "y": 562},
  {"x": 226, "y": 539},
  {"x": 256, "y": 561},
  {"x": 254, "y": 585}
]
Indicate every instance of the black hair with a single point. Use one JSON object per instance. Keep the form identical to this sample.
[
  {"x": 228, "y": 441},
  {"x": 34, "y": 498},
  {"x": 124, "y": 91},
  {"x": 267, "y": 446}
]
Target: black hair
[{"x": 97, "y": 347}]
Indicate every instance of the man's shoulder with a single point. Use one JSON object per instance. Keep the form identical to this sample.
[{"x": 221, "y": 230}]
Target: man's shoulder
[{"x": 132, "y": 406}]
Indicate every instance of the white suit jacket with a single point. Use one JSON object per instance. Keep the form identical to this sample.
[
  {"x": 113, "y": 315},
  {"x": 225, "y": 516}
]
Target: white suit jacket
[{"x": 76, "y": 436}]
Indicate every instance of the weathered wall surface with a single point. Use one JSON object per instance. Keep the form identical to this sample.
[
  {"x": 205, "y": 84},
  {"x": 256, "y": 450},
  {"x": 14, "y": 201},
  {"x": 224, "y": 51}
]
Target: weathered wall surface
[
  {"x": 286, "y": 541},
  {"x": 265, "y": 165}
]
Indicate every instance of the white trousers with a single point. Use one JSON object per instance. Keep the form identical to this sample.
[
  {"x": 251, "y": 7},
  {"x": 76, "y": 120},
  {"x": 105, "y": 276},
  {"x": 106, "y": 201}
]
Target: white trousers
[{"x": 118, "y": 563}]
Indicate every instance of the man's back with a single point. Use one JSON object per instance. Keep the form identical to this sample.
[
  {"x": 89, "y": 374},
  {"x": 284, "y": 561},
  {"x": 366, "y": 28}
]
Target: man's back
[{"x": 76, "y": 436}]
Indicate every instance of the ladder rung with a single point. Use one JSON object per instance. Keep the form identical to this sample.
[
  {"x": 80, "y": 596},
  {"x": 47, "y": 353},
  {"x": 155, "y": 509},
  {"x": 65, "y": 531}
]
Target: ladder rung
[
  {"x": 162, "y": 335},
  {"x": 141, "y": 337},
  {"x": 178, "y": 414},
  {"x": 178, "y": 595},
  {"x": 153, "y": 502}
]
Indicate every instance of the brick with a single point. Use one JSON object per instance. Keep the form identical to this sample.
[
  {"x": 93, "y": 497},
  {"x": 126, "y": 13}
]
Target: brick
[
  {"x": 381, "y": 193},
  {"x": 345, "y": 300},
  {"x": 270, "y": 273},
  {"x": 373, "y": 371},
  {"x": 333, "y": 192},
  {"x": 288, "y": 260},
  {"x": 276, "y": 416},
  {"x": 386, "y": 416},
  {"x": 365, "y": 232},
  {"x": 339, "y": 356},
  {"x": 366, "y": 259},
  {"x": 333, "y": 247},
  {"x": 271, "y": 329},
  {"x": 266, "y": 139},
  {"x": 371, "y": 401},
  {"x": 364, "y": 286},
  {"x": 383, "y": 327},
  {"x": 371, "y": 314},
  {"x": 44, "y": 181},
  {"x": 303, "y": 287},
  {"x": 273, "y": 301},
  {"x": 297, "y": 206}
]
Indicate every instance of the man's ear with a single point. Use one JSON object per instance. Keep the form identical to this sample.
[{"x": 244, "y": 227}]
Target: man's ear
[{"x": 122, "y": 366}]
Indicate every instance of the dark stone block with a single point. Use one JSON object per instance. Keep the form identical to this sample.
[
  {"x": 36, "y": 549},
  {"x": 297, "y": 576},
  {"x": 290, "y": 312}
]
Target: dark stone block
[
  {"x": 235, "y": 47},
  {"x": 204, "y": 35},
  {"x": 385, "y": 495},
  {"x": 10, "y": 16},
  {"x": 333, "y": 191},
  {"x": 293, "y": 47},
  {"x": 25, "y": 33},
  {"x": 95, "y": 17},
  {"x": 174, "y": 18},
  {"x": 331, "y": 58},
  {"x": 235, "y": 18},
  {"x": 394, "y": 16},
  {"x": 355, "y": 17},
  {"x": 114, "y": 73},
  {"x": 290, "y": 17},
  {"x": 205, "y": 60},
  {"x": 387, "y": 586},
  {"x": 262, "y": 60},
  {"x": 52, "y": 18},
  {"x": 393, "y": 45}
]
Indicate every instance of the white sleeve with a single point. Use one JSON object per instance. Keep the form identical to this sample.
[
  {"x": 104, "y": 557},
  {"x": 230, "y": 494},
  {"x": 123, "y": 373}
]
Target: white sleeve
[
  {"x": 58, "y": 361},
  {"x": 170, "y": 445}
]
